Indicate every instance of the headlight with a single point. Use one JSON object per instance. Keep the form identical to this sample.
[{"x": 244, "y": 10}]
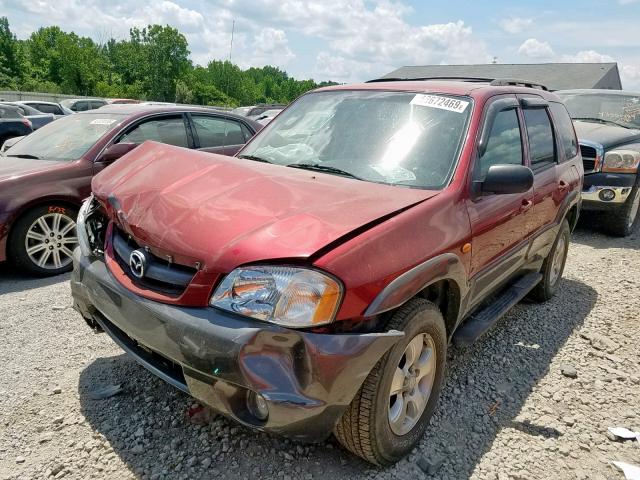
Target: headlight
[
  {"x": 288, "y": 296},
  {"x": 621, "y": 161}
]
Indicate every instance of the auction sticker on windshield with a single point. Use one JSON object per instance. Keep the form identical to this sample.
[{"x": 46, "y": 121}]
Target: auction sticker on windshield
[{"x": 443, "y": 103}]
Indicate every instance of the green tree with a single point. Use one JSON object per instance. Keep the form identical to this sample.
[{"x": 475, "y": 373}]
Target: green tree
[{"x": 10, "y": 61}]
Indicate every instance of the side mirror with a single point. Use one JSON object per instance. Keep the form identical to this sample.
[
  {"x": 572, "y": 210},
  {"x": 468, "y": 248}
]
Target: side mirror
[
  {"x": 116, "y": 151},
  {"x": 504, "y": 179}
]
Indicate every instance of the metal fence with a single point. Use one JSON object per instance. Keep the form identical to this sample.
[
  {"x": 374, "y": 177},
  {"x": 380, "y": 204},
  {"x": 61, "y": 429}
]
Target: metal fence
[{"x": 14, "y": 95}]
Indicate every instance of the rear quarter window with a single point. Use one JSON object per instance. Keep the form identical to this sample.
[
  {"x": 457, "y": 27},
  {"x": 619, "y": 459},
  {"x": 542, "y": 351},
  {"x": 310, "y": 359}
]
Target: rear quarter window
[{"x": 564, "y": 129}]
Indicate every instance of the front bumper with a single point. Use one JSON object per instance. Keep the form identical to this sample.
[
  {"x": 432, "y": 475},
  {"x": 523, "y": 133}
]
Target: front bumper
[
  {"x": 307, "y": 379},
  {"x": 617, "y": 186}
]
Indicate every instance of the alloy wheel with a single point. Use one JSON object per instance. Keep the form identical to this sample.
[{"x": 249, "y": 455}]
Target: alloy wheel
[
  {"x": 412, "y": 384},
  {"x": 50, "y": 241}
]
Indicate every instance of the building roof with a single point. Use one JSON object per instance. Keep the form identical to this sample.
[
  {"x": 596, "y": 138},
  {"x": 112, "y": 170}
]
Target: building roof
[{"x": 555, "y": 76}]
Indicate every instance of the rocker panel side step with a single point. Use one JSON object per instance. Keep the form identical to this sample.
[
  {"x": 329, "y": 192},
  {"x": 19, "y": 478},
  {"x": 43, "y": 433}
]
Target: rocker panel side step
[{"x": 484, "y": 319}]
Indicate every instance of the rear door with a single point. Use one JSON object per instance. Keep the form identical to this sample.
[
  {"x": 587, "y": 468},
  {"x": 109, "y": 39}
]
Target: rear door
[
  {"x": 543, "y": 160},
  {"x": 218, "y": 134},
  {"x": 499, "y": 222}
]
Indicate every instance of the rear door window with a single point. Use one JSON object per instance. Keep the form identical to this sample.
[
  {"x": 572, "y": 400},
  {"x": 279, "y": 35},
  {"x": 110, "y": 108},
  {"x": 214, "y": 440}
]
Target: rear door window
[
  {"x": 542, "y": 149},
  {"x": 505, "y": 142},
  {"x": 97, "y": 104},
  {"x": 46, "y": 108},
  {"x": 217, "y": 132},
  {"x": 170, "y": 130},
  {"x": 80, "y": 106},
  {"x": 564, "y": 128}
]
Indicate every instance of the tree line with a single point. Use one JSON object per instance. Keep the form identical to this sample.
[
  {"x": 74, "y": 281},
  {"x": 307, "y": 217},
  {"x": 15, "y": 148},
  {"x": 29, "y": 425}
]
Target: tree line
[{"x": 152, "y": 64}]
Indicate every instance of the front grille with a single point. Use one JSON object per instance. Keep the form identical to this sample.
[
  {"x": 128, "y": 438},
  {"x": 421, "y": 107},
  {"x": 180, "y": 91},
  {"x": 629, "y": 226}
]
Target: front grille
[
  {"x": 160, "y": 275},
  {"x": 589, "y": 155}
]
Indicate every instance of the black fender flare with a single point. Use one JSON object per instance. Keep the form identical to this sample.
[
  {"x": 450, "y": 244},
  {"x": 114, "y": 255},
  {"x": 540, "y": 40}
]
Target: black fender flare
[{"x": 446, "y": 266}]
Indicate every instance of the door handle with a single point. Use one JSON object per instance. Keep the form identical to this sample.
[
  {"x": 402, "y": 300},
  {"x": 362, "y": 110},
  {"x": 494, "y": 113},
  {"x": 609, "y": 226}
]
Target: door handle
[
  {"x": 562, "y": 186},
  {"x": 526, "y": 205}
]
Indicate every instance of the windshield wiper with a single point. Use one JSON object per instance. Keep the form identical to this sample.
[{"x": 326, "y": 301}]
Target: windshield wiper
[
  {"x": 602, "y": 120},
  {"x": 323, "y": 168},
  {"x": 255, "y": 158},
  {"x": 25, "y": 155}
]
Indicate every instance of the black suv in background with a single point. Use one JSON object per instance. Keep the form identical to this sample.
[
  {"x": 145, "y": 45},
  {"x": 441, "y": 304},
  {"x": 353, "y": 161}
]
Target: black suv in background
[
  {"x": 12, "y": 123},
  {"x": 608, "y": 126}
]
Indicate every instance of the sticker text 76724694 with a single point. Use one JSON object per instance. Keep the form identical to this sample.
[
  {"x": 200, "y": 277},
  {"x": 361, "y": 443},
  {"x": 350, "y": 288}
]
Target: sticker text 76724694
[{"x": 437, "y": 101}]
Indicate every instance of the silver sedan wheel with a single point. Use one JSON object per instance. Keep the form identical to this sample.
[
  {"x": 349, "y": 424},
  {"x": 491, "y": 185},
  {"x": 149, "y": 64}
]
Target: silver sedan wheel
[
  {"x": 412, "y": 384},
  {"x": 558, "y": 260},
  {"x": 50, "y": 241},
  {"x": 635, "y": 206}
]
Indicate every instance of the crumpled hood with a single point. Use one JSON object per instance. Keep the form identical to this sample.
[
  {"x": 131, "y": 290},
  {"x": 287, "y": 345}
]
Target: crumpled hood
[
  {"x": 224, "y": 212},
  {"x": 606, "y": 135},
  {"x": 14, "y": 167}
]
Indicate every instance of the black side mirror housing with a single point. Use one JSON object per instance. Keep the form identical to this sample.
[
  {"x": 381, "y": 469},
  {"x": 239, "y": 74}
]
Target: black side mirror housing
[
  {"x": 505, "y": 179},
  {"x": 116, "y": 151}
]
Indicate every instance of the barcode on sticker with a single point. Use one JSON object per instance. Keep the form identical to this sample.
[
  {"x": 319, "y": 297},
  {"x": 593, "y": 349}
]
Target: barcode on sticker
[{"x": 443, "y": 103}]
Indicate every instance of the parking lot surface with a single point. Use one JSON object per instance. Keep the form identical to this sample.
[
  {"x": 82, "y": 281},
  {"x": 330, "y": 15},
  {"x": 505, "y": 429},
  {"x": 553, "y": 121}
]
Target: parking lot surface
[{"x": 532, "y": 399}]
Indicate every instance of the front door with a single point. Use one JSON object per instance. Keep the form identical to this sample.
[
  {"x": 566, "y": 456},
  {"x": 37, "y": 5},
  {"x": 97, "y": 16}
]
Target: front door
[{"x": 499, "y": 223}]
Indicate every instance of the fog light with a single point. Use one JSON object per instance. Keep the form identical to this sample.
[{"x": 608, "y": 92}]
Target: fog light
[
  {"x": 607, "y": 194},
  {"x": 257, "y": 406}
]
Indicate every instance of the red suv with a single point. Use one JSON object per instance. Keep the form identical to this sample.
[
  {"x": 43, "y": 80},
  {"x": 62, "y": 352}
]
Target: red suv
[{"x": 312, "y": 284}]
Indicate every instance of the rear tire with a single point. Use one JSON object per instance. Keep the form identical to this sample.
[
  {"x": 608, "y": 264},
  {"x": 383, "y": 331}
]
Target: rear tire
[
  {"x": 371, "y": 427},
  {"x": 553, "y": 266},
  {"x": 42, "y": 240},
  {"x": 621, "y": 222}
]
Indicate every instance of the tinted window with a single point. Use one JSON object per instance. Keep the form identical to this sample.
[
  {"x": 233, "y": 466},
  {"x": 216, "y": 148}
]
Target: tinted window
[
  {"x": 80, "y": 106},
  {"x": 169, "y": 130},
  {"x": 9, "y": 113},
  {"x": 46, "y": 108},
  {"x": 541, "y": 143},
  {"x": 505, "y": 142},
  {"x": 564, "y": 128},
  {"x": 217, "y": 132},
  {"x": 97, "y": 104}
]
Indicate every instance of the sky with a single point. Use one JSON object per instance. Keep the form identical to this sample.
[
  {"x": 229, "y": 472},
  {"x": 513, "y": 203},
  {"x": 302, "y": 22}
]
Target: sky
[{"x": 356, "y": 40}]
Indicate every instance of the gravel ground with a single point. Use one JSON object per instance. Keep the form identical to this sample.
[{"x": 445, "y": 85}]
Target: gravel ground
[{"x": 510, "y": 409}]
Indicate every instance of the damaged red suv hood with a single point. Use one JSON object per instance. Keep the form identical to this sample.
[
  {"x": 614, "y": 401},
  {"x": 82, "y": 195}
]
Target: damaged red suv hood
[{"x": 224, "y": 212}]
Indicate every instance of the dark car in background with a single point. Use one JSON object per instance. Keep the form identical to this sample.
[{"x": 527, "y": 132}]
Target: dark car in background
[
  {"x": 608, "y": 126},
  {"x": 37, "y": 118},
  {"x": 12, "y": 123},
  {"x": 254, "y": 111},
  {"x": 53, "y": 108},
  {"x": 45, "y": 176},
  {"x": 83, "y": 104}
]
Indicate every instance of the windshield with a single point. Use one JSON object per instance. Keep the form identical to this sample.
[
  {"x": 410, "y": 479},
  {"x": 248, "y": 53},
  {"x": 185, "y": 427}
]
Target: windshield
[
  {"x": 398, "y": 138},
  {"x": 623, "y": 110},
  {"x": 66, "y": 139}
]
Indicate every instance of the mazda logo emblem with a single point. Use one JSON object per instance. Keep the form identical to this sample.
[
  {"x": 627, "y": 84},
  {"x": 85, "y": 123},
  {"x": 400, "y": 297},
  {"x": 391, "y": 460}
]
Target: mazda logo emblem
[{"x": 138, "y": 263}]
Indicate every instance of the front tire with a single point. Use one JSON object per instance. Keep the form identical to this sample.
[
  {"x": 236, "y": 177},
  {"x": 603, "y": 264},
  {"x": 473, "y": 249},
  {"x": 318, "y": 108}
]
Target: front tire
[
  {"x": 43, "y": 239},
  {"x": 623, "y": 220},
  {"x": 392, "y": 409}
]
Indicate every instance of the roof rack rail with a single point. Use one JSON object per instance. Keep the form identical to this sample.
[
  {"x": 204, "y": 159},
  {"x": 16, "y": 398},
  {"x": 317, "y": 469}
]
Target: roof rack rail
[
  {"x": 419, "y": 79},
  {"x": 503, "y": 82}
]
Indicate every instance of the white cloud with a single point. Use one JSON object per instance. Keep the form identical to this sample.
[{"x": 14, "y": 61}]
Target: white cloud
[
  {"x": 515, "y": 24},
  {"x": 535, "y": 49},
  {"x": 587, "y": 56},
  {"x": 630, "y": 75}
]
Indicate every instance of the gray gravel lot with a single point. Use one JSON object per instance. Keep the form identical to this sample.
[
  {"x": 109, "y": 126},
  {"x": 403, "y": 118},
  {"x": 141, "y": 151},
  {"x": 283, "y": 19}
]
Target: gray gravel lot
[{"x": 510, "y": 408}]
